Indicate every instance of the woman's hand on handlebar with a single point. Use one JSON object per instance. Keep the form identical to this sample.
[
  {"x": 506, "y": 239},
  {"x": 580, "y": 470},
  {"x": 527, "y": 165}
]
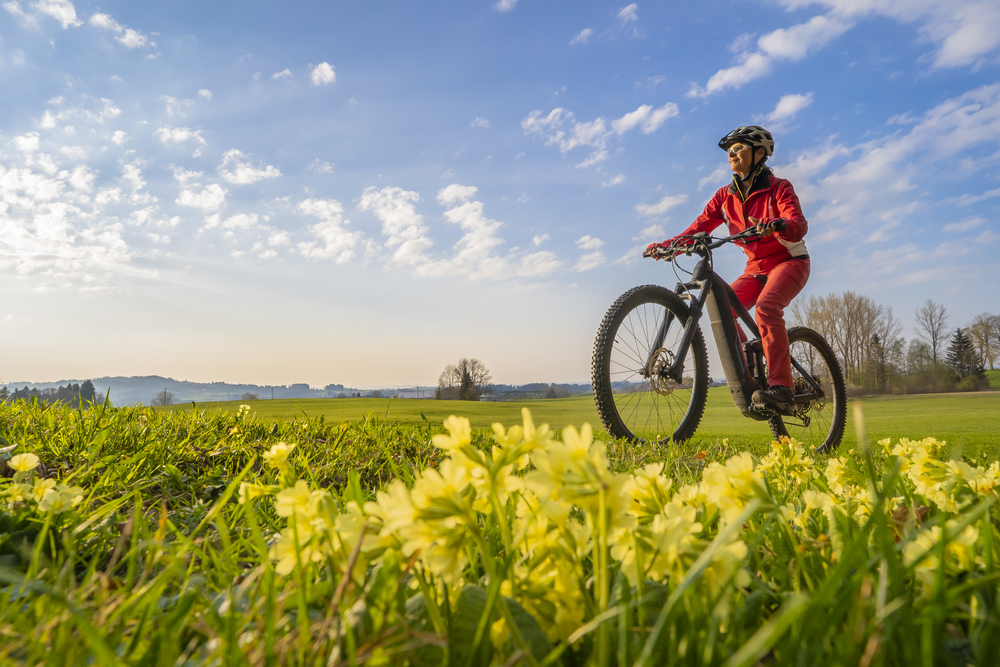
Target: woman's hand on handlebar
[{"x": 767, "y": 228}]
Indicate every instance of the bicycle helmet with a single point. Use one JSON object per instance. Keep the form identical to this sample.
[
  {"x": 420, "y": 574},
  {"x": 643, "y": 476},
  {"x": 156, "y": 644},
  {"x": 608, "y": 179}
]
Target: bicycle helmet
[{"x": 754, "y": 135}]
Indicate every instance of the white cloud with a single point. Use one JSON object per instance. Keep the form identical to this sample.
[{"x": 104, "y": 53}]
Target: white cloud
[
  {"x": 182, "y": 175},
  {"x": 582, "y": 37},
  {"x": 559, "y": 127},
  {"x": 233, "y": 222},
  {"x": 874, "y": 190},
  {"x": 104, "y": 21},
  {"x": 278, "y": 239},
  {"x": 659, "y": 208},
  {"x": 333, "y": 240},
  {"x": 966, "y": 200},
  {"x": 14, "y": 7},
  {"x": 505, "y": 5},
  {"x": 127, "y": 37},
  {"x": 237, "y": 170},
  {"x": 787, "y": 107},
  {"x": 321, "y": 167},
  {"x": 620, "y": 178},
  {"x": 158, "y": 238},
  {"x": 205, "y": 93},
  {"x": 118, "y": 138},
  {"x": 209, "y": 198},
  {"x": 539, "y": 240},
  {"x": 654, "y": 231},
  {"x": 588, "y": 242},
  {"x": 401, "y": 223},
  {"x": 965, "y": 225},
  {"x": 964, "y": 33},
  {"x": 61, "y": 10},
  {"x": 174, "y": 106},
  {"x": 719, "y": 176},
  {"x": 323, "y": 74},
  {"x": 107, "y": 111},
  {"x": 476, "y": 254},
  {"x": 82, "y": 178},
  {"x": 133, "y": 174},
  {"x": 793, "y": 44},
  {"x": 173, "y": 136},
  {"x": 133, "y": 39},
  {"x": 108, "y": 195},
  {"x": 647, "y": 117},
  {"x": 589, "y": 261},
  {"x": 629, "y": 14},
  {"x": 481, "y": 122},
  {"x": 26, "y": 143},
  {"x": 283, "y": 74}
]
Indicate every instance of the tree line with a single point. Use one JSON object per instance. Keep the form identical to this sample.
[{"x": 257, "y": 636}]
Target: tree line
[
  {"x": 72, "y": 394},
  {"x": 877, "y": 358}
]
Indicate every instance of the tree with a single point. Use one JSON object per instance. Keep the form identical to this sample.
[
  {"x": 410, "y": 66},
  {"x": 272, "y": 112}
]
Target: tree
[
  {"x": 985, "y": 339},
  {"x": 931, "y": 320},
  {"x": 466, "y": 381},
  {"x": 962, "y": 356},
  {"x": 250, "y": 397},
  {"x": 87, "y": 392},
  {"x": 163, "y": 398}
]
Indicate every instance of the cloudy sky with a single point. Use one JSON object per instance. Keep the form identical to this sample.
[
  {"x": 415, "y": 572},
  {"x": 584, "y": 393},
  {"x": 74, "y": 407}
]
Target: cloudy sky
[{"x": 363, "y": 192}]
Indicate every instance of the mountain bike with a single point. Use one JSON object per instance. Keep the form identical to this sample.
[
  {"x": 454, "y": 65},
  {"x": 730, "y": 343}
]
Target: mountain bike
[{"x": 650, "y": 364}]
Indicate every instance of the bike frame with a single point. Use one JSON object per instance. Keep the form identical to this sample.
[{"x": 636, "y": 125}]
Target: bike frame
[{"x": 743, "y": 376}]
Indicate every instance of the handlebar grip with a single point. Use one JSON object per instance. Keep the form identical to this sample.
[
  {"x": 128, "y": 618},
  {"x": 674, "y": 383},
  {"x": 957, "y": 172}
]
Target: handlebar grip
[{"x": 780, "y": 225}]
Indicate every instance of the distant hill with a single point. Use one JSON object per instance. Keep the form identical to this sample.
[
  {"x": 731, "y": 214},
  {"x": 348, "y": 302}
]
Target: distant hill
[{"x": 142, "y": 389}]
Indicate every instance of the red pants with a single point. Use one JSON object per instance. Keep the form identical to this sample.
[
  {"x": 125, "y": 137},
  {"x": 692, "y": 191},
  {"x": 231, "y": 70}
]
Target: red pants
[{"x": 771, "y": 293}]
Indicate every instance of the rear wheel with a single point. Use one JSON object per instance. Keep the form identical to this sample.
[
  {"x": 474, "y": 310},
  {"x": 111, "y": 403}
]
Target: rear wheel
[
  {"x": 634, "y": 397},
  {"x": 819, "y": 422}
]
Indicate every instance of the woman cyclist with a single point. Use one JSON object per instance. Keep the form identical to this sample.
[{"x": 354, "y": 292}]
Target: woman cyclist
[{"x": 777, "y": 264}]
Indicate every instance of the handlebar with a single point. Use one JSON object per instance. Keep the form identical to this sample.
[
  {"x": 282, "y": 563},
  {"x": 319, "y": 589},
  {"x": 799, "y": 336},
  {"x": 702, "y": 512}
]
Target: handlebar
[{"x": 708, "y": 242}]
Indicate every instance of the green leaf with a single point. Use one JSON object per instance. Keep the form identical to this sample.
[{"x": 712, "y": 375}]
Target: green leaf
[
  {"x": 419, "y": 620},
  {"x": 530, "y": 629},
  {"x": 464, "y": 620}
]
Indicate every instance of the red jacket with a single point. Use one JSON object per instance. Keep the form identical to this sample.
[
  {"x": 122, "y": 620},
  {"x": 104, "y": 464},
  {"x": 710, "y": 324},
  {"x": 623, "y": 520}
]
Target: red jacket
[{"x": 769, "y": 198}]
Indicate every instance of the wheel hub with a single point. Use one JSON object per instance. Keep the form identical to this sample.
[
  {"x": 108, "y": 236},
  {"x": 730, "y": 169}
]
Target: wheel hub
[{"x": 661, "y": 361}]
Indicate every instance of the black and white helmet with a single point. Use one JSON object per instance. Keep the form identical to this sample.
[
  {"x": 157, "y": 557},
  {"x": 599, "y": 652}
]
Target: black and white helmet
[{"x": 754, "y": 135}]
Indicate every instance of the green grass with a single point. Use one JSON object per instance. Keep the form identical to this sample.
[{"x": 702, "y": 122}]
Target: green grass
[
  {"x": 159, "y": 565},
  {"x": 969, "y": 421},
  {"x": 994, "y": 378}
]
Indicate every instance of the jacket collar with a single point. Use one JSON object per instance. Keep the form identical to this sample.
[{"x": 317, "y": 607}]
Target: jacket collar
[{"x": 761, "y": 181}]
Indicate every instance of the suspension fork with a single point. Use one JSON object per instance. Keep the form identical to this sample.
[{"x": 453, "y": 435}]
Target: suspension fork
[{"x": 661, "y": 334}]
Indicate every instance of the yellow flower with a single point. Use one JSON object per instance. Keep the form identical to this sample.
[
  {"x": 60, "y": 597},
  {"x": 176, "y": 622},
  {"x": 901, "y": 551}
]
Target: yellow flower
[
  {"x": 243, "y": 411},
  {"x": 277, "y": 457},
  {"x": 499, "y": 633},
  {"x": 23, "y": 462},
  {"x": 460, "y": 434},
  {"x": 249, "y": 491},
  {"x": 40, "y": 488},
  {"x": 61, "y": 498},
  {"x": 298, "y": 501}
]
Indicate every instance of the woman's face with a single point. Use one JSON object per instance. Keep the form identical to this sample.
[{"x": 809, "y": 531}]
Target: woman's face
[{"x": 740, "y": 158}]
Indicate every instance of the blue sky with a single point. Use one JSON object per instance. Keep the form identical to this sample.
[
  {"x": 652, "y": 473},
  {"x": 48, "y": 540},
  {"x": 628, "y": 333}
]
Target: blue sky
[{"x": 362, "y": 193}]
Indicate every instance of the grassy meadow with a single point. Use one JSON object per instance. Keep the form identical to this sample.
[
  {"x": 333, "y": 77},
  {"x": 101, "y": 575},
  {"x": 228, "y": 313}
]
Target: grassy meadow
[
  {"x": 355, "y": 532},
  {"x": 967, "y": 421}
]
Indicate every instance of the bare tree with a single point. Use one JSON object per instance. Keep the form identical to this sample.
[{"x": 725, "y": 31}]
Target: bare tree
[
  {"x": 862, "y": 333},
  {"x": 980, "y": 332},
  {"x": 248, "y": 396},
  {"x": 932, "y": 318},
  {"x": 468, "y": 380},
  {"x": 163, "y": 398}
]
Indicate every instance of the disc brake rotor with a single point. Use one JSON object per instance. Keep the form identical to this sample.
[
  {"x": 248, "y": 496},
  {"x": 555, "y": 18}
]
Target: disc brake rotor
[{"x": 662, "y": 360}]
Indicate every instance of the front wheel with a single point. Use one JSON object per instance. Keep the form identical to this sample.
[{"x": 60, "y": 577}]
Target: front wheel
[
  {"x": 637, "y": 341},
  {"x": 821, "y": 409}
]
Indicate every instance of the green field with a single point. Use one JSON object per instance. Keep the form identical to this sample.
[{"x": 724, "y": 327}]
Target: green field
[
  {"x": 969, "y": 421},
  {"x": 994, "y": 378}
]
